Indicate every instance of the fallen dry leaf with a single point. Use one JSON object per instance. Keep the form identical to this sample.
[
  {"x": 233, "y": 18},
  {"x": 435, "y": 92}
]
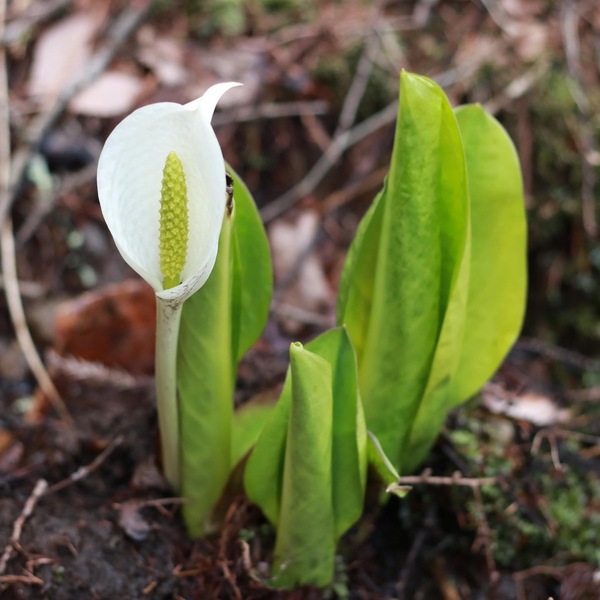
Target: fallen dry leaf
[
  {"x": 114, "y": 93},
  {"x": 114, "y": 326},
  {"x": 532, "y": 407},
  {"x": 295, "y": 260},
  {"x": 61, "y": 53}
]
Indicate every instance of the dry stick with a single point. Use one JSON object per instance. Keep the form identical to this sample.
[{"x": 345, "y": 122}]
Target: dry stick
[
  {"x": 17, "y": 315},
  {"x": 28, "y": 579},
  {"x": 270, "y": 110},
  {"x": 22, "y": 25},
  {"x": 569, "y": 26},
  {"x": 361, "y": 78},
  {"x": 338, "y": 146},
  {"x": 41, "y": 489},
  {"x": 129, "y": 20},
  {"x": 343, "y": 138},
  {"x": 36, "y": 494},
  {"x": 456, "y": 479},
  {"x": 471, "y": 482},
  {"x": 12, "y": 175},
  {"x": 7, "y": 245},
  {"x": 84, "y": 471},
  {"x": 485, "y": 535},
  {"x": 557, "y": 353}
]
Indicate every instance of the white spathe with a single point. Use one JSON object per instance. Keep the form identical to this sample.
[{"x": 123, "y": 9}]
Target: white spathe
[{"x": 130, "y": 172}]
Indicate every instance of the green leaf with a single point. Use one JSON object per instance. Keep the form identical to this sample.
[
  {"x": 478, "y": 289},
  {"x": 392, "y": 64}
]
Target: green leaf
[
  {"x": 307, "y": 471},
  {"x": 205, "y": 388},
  {"x": 248, "y": 421},
  {"x": 252, "y": 285},
  {"x": 405, "y": 263},
  {"x": 498, "y": 283},
  {"x": 349, "y": 432},
  {"x": 384, "y": 469},
  {"x": 495, "y": 296},
  {"x": 305, "y": 545},
  {"x": 218, "y": 324}
]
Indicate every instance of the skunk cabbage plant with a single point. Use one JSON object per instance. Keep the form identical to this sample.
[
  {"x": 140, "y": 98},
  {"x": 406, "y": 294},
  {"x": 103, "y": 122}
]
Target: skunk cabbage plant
[{"x": 162, "y": 191}]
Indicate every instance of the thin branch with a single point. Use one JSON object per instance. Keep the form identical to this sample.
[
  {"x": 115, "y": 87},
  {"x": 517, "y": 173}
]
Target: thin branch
[
  {"x": 361, "y": 78},
  {"x": 270, "y": 110},
  {"x": 570, "y": 33},
  {"x": 341, "y": 143},
  {"x": 7, "y": 246},
  {"x": 20, "y": 28},
  {"x": 484, "y": 535},
  {"x": 28, "y": 579},
  {"x": 36, "y": 494},
  {"x": 84, "y": 471},
  {"x": 123, "y": 27},
  {"x": 455, "y": 480},
  {"x": 329, "y": 158},
  {"x": 22, "y": 333},
  {"x": 557, "y": 353}
]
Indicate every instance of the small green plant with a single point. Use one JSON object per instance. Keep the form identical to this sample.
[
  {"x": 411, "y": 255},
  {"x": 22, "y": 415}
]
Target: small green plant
[{"x": 431, "y": 299}]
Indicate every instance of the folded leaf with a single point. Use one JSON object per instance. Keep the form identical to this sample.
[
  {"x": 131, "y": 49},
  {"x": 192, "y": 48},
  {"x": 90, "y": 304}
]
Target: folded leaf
[
  {"x": 218, "y": 325},
  {"x": 495, "y": 301},
  {"x": 405, "y": 263},
  {"x": 307, "y": 471},
  {"x": 498, "y": 283},
  {"x": 248, "y": 422}
]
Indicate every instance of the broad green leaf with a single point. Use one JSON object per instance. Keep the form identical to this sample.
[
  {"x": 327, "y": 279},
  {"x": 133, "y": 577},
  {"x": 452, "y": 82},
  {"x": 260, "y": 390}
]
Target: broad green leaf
[
  {"x": 405, "y": 262},
  {"x": 305, "y": 545},
  {"x": 205, "y": 388},
  {"x": 307, "y": 471},
  {"x": 253, "y": 273},
  {"x": 263, "y": 477},
  {"x": 498, "y": 285},
  {"x": 248, "y": 421},
  {"x": 495, "y": 298},
  {"x": 349, "y": 453},
  {"x": 218, "y": 325}
]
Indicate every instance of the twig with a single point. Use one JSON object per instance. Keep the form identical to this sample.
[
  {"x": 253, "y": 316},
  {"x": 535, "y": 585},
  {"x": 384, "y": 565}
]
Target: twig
[
  {"x": 95, "y": 373},
  {"x": 270, "y": 110},
  {"x": 554, "y": 352},
  {"x": 28, "y": 579},
  {"x": 22, "y": 333},
  {"x": 320, "y": 169},
  {"x": 545, "y": 434},
  {"x": 411, "y": 560},
  {"x": 346, "y": 194},
  {"x": 484, "y": 536},
  {"x": 361, "y": 77},
  {"x": 343, "y": 142},
  {"x": 23, "y": 24},
  {"x": 591, "y": 394},
  {"x": 124, "y": 26},
  {"x": 28, "y": 289},
  {"x": 456, "y": 479},
  {"x": 569, "y": 26},
  {"x": 42, "y": 489},
  {"x": 7, "y": 245},
  {"x": 84, "y": 471},
  {"x": 38, "y": 491}
]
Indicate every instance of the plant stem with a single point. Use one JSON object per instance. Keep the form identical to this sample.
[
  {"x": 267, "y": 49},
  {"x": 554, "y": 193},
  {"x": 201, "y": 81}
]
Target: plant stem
[{"x": 168, "y": 316}]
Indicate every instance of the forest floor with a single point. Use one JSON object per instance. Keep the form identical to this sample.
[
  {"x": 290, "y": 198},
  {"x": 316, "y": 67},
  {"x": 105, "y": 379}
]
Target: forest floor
[{"x": 507, "y": 506}]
